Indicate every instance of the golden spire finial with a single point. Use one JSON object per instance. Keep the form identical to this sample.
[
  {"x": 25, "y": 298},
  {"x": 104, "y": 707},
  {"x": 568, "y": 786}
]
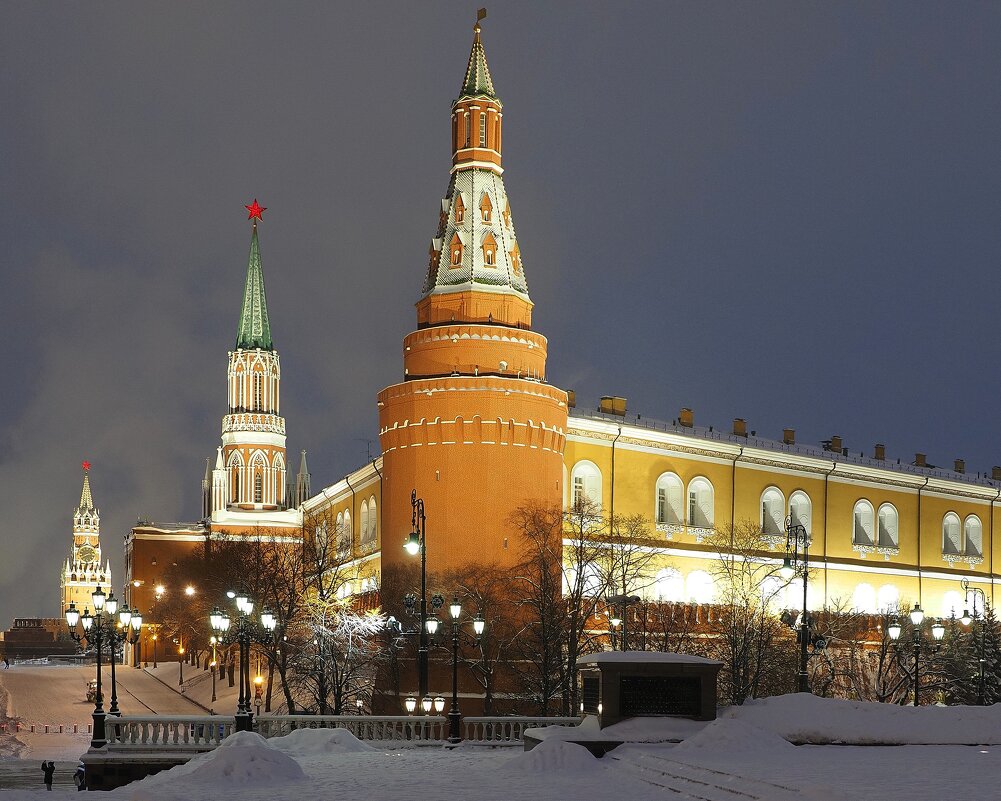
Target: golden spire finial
[{"x": 480, "y": 15}]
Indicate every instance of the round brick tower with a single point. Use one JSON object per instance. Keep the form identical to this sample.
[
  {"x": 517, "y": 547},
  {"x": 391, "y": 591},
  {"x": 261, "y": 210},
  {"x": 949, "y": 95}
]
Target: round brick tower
[{"x": 474, "y": 427}]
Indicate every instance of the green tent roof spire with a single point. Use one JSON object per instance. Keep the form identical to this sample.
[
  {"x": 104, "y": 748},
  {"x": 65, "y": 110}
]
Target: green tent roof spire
[
  {"x": 478, "y": 82},
  {"x": 255, "y": 328}
]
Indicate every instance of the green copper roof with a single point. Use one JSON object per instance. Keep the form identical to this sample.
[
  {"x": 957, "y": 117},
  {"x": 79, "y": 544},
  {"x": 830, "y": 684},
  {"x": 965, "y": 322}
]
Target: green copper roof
[
  {"x": 478, "y": 82},
  {"x": 255, "y": 329}
]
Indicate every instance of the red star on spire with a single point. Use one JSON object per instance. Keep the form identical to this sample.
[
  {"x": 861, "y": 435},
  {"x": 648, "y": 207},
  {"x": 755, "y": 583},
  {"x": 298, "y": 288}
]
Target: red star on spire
[
  {"x": 255, "y": 210},
  {"x": 86, "y": 465}
]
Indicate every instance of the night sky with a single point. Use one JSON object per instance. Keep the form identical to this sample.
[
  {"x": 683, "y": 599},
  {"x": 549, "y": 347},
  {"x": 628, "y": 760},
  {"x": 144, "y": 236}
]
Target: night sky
[{"x": 787, "y": 212}]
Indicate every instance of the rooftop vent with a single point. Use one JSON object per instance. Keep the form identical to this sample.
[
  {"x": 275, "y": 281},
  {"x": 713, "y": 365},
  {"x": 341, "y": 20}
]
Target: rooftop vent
[
  {"x": 686, "y": 418},
  {"x": 960, "y": 465},
  {"x": 739, "y": 427},
  {"x": 920, "y": 460},
  {"x": 789, "y": 436},
  {"x": 571, "y": 399},
  {"x": 880, "y": 451},
  {"x": 996, "y": 472}
]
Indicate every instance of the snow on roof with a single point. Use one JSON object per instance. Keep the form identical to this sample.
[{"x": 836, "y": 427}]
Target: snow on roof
[{"x": 644, "y": 657}]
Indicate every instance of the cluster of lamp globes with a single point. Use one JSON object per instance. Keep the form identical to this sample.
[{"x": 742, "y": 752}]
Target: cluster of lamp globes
[
  {"x": 221, "y": 621},
  {"x": 427, "y": 704},
  {"x": 917, "y": 615},
  {"x": 102, "y": 603}
]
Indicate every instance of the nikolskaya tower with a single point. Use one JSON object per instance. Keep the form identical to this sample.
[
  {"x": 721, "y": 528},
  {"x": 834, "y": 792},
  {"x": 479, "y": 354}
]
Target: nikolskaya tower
[{"x": 473, "y": 427}]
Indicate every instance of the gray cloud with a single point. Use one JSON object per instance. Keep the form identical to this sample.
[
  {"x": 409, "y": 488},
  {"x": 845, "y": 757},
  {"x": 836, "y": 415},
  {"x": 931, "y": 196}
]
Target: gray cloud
[{"x": 782, "y": 212}]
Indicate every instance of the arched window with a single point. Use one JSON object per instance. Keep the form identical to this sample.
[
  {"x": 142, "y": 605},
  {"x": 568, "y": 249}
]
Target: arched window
[
  {"x": 800, "y": 510},
  {"x": 669, "y": 586},
  {"x": 483, "y": 129},
  {"x": 258, "y": 405},
  {"x": 864, "y": 599},
  {"x": 339, "y": 530},
  {"x": 321, "y": 535},
  {"x": 699, "y": 587},
  {"x": 887, "y": 527},
  {"x": 888, "y": 598},
  {"x": 670, "y": 507},
  {"x": 973, "y": 537},
  {"x": 700, "y": 503},
  {"x": 373, "y": 520},
  {"x": 364, "y": 521},
  {"x": 348, "y": 532},
  {"x": 486, "y": 208},
  {"x": 258, "y": 488},
  {"x": 455, "y": 247},
  {"x": 586, "y": 483},
  {"x": 862, "y": 532},
  {"x": 489, "y": 251},
  {"x": 952, "y": 604},
  {"x": 772, "y": 511},
  {"x": 951, "y": 538},
  {"x": 460, "y": 210}
]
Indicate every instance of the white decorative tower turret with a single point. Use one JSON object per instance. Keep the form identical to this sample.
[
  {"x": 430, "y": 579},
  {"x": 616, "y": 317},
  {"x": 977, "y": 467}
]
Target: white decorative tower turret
[{"x": 83, "y": 571}]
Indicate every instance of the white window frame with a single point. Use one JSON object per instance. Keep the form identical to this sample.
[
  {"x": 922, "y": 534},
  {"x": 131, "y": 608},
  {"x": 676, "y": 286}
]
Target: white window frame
[
  {"x": 772, "y": 506},
  {"x": 973, "y": 545},
  {"x": 701, "y": 503},
  {"x": 952, "y": 535},
  {"x": 585, "y": 482},
  {"x": 887, "y": 526},
  {"x": 801, "y": 510},
  {"x": 863, "y": 521},
  {"x": 665, "y": 512}
]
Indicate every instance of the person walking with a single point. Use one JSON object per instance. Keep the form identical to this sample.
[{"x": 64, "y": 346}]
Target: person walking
[
  {"x": 6, "y": 663},
  {"x": 48, "y": 768}
]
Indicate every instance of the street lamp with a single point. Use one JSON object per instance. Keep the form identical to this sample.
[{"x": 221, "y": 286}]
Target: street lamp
[
  {"x": 416, "y": 543},
  {"x": 98, "y": 628},
  {"x": 411, "y": 704},
  {"x": 917, "y": 616},
  {"x": 244, "y": 632},
  {"x": 797, "y": 560},
  {"x": 978, "y": 622},
  {"x": 620, "y": 606},
  {"x": 454, "y": 718},
  {"x": 133, "y": 634}
]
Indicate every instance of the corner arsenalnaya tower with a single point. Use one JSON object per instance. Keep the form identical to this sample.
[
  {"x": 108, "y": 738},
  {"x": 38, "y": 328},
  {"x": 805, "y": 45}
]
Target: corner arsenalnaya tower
[{"x": 473, "y": 427}]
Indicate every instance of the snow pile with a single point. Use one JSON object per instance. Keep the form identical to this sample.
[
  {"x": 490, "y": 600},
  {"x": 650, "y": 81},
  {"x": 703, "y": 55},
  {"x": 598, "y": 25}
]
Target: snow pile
[
  {"x": 243, "y": 759},
  {"x": 553, "y": 757},
  {"x": 316, "y": 742},
  {"x": 804, "y": 718},
  {"x": 733, "y": 738}
]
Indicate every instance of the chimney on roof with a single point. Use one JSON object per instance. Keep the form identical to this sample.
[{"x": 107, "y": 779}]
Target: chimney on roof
[
  {"x": 960, "y": 465},
  {"x": 686, "y": 418},
  {"x": 789, "y": 436},
  {"x": 571, "y": 399},
  {"x": 920, "y": 460},
  {"x": 880, "y": 452},
  {"x": 996, "y": 472},
  {"x": 836, "y": 444},
  {"x": 739, "y": 427},
  {"x": 613, "y": 404}
]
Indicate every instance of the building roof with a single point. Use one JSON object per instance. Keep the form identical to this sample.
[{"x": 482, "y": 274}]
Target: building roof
[
  {"x": 477, "y": 82},
  {"x": 86, "y": 499},
  {"x": 254, "y": 330}
]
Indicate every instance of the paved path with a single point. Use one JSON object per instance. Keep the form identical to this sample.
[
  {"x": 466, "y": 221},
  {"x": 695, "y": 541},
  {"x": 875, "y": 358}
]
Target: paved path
[{"x": 56, "y": 695}]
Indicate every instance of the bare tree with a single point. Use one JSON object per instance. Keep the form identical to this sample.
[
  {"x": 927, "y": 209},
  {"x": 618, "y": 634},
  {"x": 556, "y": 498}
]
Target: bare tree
[{"x": 755, "y": 648}]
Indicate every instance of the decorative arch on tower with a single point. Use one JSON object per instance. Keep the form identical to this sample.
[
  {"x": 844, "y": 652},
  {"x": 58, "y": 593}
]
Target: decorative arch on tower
[
  {"x": 258, "y": 476},
  {"x": 237, "y": 468}
]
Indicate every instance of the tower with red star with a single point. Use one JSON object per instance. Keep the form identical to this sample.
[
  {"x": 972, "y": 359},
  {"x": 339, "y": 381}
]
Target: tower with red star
[{"x": 83, "y": 570}]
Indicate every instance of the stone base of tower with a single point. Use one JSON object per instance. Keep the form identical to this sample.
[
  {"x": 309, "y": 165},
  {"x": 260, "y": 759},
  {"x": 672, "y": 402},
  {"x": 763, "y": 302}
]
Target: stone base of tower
[{"x": 475, "y": 449}]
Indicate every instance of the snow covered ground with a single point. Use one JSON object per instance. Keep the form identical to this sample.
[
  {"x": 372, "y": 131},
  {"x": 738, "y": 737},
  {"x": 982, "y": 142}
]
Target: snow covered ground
[{"x": 744, "y": 755}]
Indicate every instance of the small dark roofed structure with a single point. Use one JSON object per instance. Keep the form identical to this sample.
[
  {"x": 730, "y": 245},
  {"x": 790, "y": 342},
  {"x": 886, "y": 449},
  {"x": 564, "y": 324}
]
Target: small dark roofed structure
[{"x": 617, "y": 685}]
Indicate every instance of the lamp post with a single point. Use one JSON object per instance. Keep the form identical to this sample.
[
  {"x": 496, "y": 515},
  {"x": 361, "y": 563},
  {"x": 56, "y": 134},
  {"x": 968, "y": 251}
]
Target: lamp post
[
  {"x": 98, "y": 628},
  {"x": 978, "y": 623},
  {"x": 133, "y": 634},
  {"x": 214, "y": 640},
  {"x": 244, "y": 632},
  {"x": 414, "y": 544},
  {"x": 917, "y": 616},
  {"x": 797, "y": 560},
  {"x": 454, "y": 718},
  {"x": 620, "y": 602}
]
